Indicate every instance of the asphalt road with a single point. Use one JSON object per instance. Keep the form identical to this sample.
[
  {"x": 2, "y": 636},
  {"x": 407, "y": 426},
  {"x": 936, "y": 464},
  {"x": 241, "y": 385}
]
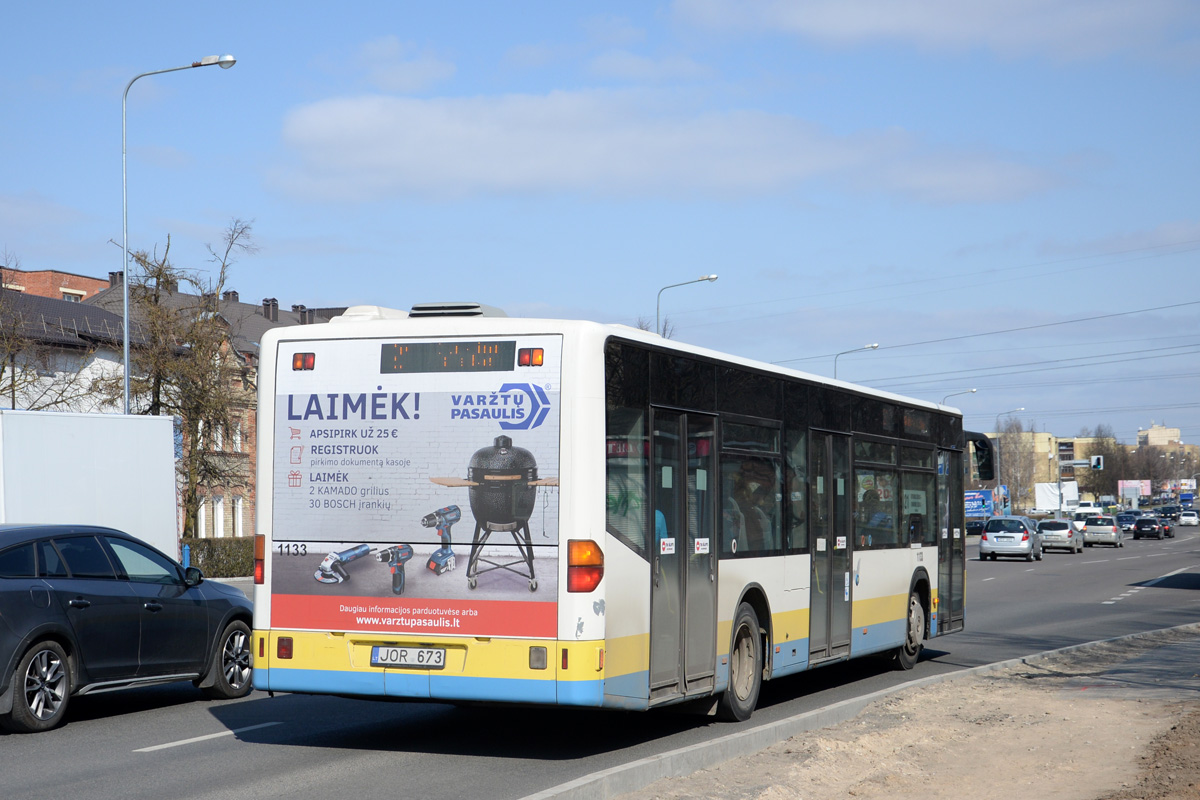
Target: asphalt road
[{"x": 167, "y": 741}]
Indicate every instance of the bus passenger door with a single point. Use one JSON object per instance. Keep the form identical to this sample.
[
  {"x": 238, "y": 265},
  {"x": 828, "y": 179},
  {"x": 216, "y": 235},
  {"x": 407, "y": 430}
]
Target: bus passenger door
[
  {"x": 830, "y": 546},
  {"x": 683, "y": 598},
  {"x": 952, "y": 543}
]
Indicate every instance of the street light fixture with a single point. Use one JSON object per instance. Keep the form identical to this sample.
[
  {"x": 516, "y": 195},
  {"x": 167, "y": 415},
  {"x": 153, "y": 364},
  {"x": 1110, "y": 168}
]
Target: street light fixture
[
  {"x": 658, "y": 306},
  {"x": 224, "y": 62},
  {"x": 955, "y": 394},
  {"x": 874, "y": 346}
]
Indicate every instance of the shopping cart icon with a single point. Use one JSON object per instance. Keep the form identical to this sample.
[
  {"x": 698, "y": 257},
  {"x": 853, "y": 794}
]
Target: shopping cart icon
[{"x": 295, "y": 432}]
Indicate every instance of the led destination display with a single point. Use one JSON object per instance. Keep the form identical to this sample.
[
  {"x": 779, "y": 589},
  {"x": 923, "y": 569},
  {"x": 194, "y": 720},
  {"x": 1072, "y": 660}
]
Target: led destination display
[{"x": 455, "y": 356}]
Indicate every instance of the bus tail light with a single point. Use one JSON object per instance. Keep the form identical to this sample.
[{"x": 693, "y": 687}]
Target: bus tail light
[
  {"x": 260, "y": 558},
  {"x": 530, "y": 357},
  {"x": 585, "y": 565},
  {"x": 304, "y": 361},
  {"x": 283, "y": 647}
]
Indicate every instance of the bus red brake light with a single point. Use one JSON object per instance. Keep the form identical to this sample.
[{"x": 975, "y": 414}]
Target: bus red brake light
[
  {"x": 260, "y": 557},
  {"x": 304, "y": 361},
  {"x": 585, "y": 565},
  {"x": 530, "y": 357}
]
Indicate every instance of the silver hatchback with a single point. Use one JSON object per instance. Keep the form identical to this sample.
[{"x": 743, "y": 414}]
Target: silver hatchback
[
  {"x": 1010, "y": 536},
  {"x": 1103, "y": 530},
  {"x": 1060, "y": 533}
]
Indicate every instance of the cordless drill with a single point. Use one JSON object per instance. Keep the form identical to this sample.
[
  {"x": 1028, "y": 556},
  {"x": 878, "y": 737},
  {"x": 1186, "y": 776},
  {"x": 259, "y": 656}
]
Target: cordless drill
[
  {"x": 443, "y": 519},
  {"x": 333, "y": 570},
  {"x": 396, "y": 557}
]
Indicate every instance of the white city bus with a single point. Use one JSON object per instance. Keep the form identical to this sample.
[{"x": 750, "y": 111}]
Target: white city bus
[{"x": 455, "y": 505}]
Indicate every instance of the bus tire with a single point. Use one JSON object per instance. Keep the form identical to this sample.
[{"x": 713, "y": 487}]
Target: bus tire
[
  {"x": 914, "y": 638},
  {"x": 745, "y": 667}
]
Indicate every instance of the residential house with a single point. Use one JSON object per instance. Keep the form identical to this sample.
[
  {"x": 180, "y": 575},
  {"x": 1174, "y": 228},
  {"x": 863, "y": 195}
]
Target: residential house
[{"x": 229, "y": 510}]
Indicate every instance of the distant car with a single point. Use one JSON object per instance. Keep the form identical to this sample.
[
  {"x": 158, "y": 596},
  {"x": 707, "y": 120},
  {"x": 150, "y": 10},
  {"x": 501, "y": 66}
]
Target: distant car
[
  {"x": 1156, "y": 527},
  {"x": 1010, "y": 536},
  {"x": 974, "y": 527},
  {"x": 1102, "y": 530},
  {"x": 1126, "y": 521},
  {"x": 1189, "y": 518},
  {"x": 87, "y": 609},
  {"x": 1081, "y": 518},
  {"x": 1060, "y": 533}
]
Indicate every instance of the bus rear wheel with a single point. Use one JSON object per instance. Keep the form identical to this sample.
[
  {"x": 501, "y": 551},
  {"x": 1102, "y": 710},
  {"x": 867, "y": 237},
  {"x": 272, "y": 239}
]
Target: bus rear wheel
[
  {"x": 908, "y": 653},
  {"x": 745, "y": 667}
]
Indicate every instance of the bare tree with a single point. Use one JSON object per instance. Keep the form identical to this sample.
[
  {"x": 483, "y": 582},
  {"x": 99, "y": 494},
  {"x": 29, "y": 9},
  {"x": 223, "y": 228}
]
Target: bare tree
[
  {"x": 1017, "y": 463},
  {"x": 668, "y": 327},
  {"x": 1103, "y": 482},
  {"x": 186, "y": 367}
]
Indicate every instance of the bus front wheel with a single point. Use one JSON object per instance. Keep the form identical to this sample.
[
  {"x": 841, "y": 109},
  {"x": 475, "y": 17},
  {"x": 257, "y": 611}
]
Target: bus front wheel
[{"x": 745, "y": 667}]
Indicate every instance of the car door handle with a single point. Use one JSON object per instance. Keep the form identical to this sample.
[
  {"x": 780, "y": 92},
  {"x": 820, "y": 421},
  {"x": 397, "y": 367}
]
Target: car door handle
[
  {"x": 153, "y": 606},
  {"x": 79, "y": 602}
]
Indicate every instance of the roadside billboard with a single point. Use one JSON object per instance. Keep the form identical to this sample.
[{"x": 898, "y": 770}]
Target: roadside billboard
[{"x": 979, "y": 503}]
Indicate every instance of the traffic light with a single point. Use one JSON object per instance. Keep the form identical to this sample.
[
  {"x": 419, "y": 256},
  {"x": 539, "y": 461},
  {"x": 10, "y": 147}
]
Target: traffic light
[{"x": 1097, "y": 462}]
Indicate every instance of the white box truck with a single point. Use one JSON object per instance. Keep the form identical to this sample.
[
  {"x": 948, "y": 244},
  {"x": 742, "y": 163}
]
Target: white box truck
[{"x": 116, "y": 470}]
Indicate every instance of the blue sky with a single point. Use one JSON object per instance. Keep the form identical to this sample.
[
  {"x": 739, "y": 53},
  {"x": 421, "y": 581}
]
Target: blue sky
[{"x": 986, "y": 189}]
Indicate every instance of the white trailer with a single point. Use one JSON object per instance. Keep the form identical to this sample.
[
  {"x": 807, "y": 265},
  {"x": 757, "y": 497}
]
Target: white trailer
[{"x": 90, "y": 469}]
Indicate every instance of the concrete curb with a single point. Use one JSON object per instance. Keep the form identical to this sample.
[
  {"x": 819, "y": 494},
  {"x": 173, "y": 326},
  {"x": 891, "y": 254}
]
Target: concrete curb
[{"x": 686, "y": 760}]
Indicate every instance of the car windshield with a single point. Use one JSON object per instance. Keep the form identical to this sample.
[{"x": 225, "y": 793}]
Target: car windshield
[
  {"x": 1053, "y": 526},
  {"x": 1004, "y": 526},
  {"x": 1123, "y": 518}
]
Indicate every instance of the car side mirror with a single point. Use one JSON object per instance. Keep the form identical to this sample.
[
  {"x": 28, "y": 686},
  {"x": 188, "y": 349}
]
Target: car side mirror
[{"x": 192, "y": 576}]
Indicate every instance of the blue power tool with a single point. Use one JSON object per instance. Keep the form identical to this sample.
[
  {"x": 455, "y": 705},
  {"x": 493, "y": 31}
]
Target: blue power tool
[
  {"x": 443, "y": 519},
  {"x": 333, "y": 570},
  {"x": 396, "y": 557}
]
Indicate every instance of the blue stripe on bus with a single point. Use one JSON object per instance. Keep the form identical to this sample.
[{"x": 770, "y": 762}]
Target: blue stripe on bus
[
  {"x": 878, "y": 637},
  {"x": 430, "y": 685},
  {"x": 634, "y": 685},
  {"x": 791, "y": 658},
  {"x": 278, "y": 679}
]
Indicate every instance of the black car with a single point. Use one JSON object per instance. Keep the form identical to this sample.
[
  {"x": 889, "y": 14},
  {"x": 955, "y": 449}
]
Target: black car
[
  {"x": 1158, "y": 527},
  {"x": 87, "y": 609},
  {"x": 974, "y": 527}
]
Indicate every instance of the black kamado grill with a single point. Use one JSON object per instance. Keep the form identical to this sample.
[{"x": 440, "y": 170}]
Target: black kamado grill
[{"x": 503, "y": 481}]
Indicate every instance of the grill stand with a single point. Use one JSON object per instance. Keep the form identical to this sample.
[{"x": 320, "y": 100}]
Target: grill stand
[{"x": 524, "y": 546}]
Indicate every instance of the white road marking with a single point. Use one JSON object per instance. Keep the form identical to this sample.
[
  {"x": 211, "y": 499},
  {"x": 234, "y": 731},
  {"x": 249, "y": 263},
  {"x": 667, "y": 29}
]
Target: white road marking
[
  {"x": 205, "y": 738},
  {"x": 1128, "y": 558},
  {"x": 985, "y": 580},
  {"x": 1159, "y": 580},
  {"x": 1108, "y": 602}
]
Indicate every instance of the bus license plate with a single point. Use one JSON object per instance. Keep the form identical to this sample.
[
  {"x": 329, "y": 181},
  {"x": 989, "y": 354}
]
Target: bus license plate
[{"x": 420, "y": 657}]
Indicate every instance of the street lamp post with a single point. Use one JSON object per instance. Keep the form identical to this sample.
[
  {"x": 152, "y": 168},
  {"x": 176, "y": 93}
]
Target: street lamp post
[
  {"x": 955, "y": 394},
  {"x": 224, "y": 62},
  {"x": 658, "y": 306},
  {"x": 874, "y": 346}
]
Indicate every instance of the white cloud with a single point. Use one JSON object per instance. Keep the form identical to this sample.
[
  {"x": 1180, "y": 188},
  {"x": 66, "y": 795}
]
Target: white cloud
[
  {"x": 613, "y": 31},
  {"x": 34, "y": 210},
  {"x": 618, "y": 143},
  {"x": 628, "y": 66},
  {"x": 395, "y": 67},
  {"x": 1067, "y": 29}
]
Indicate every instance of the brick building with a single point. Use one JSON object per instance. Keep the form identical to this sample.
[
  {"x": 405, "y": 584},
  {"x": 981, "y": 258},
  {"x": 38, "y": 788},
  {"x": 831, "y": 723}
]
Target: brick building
[{"x": 52, "y": 283}]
